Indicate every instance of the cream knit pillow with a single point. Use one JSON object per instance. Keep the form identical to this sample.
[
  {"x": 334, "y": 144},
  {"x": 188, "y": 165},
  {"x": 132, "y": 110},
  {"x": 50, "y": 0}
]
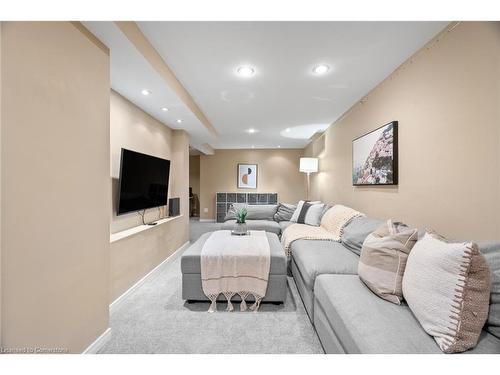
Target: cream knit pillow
[{"x": 447, "y": 287}]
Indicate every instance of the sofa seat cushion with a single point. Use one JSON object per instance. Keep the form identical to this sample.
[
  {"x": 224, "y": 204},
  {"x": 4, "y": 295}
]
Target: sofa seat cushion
[
  {"x": 365, "y": 323},
  {"x": 267, "y": 225},
  {"x": 314, "y": 257},
  {"x": 190, "y": 261}
]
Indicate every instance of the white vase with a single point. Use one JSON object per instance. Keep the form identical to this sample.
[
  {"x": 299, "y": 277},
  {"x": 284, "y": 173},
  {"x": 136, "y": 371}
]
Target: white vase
[{"x": 240, "y": 228}]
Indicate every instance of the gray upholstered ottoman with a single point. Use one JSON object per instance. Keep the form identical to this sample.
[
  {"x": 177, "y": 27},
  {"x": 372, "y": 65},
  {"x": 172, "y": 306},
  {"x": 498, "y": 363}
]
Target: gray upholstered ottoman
[{"x": 191, "y": 272}]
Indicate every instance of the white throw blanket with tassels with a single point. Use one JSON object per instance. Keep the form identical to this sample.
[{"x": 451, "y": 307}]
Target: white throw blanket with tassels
[
  {"x": 332, "y": 227},
  {"x": 304, "y": 232},
  {"x": 233, "y": 265}
]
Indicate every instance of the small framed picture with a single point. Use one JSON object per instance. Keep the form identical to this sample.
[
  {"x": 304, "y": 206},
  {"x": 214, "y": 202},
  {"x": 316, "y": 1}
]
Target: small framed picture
[{"x": 247, "y": 176}]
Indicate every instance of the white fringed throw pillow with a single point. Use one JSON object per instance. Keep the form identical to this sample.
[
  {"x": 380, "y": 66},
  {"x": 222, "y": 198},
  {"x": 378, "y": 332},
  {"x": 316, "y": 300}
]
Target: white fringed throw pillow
[{"x": 447, "y": 287}]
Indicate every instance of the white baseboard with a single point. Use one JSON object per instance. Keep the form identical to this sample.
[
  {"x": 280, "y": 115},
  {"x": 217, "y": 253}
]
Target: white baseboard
[
  {"x": 98, "y": 343},
  {"x": 207, "y": 220},
  {"x": 169, "y": 259}
]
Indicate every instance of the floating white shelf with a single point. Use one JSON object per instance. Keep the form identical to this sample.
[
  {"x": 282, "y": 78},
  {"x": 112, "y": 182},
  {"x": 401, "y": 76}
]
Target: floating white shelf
[{"x": 141, "y": 228}]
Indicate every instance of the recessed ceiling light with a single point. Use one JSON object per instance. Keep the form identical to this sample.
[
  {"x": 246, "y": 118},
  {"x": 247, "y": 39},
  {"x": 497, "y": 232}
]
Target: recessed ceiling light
[
  {"x": 245, "y": 71},
  {"x": 287, "y": 129},
  {"x": 164, "y": 109},
  {"x": 252, "y": 130},
  {"x": 145, "y": 92},
  {"x": 321, "y": 69},
  {"x": 179, "y": 121}
]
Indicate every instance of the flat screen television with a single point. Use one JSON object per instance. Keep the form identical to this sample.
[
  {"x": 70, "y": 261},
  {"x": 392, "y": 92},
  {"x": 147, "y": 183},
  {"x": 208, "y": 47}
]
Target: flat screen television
[{"x": 143, "y": 182}]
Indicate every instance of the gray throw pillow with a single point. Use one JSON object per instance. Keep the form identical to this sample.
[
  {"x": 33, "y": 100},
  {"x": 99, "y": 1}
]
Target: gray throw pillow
[
  {"x": 285, "y": 212},
  {"x": 357, "y": 230}
]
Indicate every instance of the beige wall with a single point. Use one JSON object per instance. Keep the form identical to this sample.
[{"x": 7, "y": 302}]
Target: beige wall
[
  {"x": 498, "y": 114},
  {"x": 133, "y": 129},
  {"x": 194, "y": 173},
  {"x": 55, "y": 186},
  {"x": 446, "y": 99},
  {"x": 135, "y": 256},
  {"x": 278, "y": 171},
  {"x": 1, "y": 304}
]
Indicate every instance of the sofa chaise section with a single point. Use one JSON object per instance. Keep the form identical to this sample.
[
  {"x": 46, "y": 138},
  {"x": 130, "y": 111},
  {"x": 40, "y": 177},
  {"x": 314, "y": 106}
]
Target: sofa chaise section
[
  {"x": 311, "y": 258},
  {"x": 349, "y": 318}
]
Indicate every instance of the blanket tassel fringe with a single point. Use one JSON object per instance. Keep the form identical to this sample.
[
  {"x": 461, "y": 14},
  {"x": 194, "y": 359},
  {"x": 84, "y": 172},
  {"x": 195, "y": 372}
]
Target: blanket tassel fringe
[
  {"x": 213, "y": 305},
  {"x": 255, "y": 306},
  {"x": 230, "y": 307},
  {"x": 229, "y": 295},
  {"x": 243, "y": 305}
]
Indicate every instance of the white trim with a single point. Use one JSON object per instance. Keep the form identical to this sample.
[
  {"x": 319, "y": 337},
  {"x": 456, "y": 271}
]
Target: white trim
[
  {"x": 169, "y": 259},
  {"x": 207, "y": 220},
  {"x": 98, "y": 343}
]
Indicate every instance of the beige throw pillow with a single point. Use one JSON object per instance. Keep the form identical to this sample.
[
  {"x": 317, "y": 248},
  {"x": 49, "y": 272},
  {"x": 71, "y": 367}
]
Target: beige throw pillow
[
  {"x": 447, "y": 286},
  {"x": 383, "y": 259}
]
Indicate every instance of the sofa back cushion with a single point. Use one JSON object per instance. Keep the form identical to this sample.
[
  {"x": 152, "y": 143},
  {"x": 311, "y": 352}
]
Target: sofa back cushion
[
  {"x": 383, "y": 259},
  {"x": 491, "y": 252},
  {"x": 447, "y": 287},
  {"x": 254, "y": 211},
  {"x": 285, "y": 212},
  {"x": 356, "y": 231}
]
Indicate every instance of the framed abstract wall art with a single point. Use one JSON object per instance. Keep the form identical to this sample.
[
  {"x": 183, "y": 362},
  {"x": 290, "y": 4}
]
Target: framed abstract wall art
[
  {"x": 375, "y": 157},
  {"x": 247, "y": 176}
]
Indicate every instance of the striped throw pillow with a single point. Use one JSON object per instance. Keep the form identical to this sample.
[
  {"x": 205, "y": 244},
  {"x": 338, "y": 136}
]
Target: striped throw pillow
[
  {"x": 297, "y": 211},
  {"x": 383, "y": 259}
]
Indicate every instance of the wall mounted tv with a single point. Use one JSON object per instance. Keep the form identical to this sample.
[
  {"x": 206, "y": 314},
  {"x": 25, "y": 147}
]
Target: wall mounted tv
[{"x": 143, "y": 182}]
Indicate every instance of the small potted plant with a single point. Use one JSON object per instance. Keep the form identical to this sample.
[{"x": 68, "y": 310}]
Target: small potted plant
[{"x": 241, "y": 227}]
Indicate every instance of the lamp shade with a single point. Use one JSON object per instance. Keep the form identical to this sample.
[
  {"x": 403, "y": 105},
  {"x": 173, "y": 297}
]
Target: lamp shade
[{"x": 308, "y": 165}]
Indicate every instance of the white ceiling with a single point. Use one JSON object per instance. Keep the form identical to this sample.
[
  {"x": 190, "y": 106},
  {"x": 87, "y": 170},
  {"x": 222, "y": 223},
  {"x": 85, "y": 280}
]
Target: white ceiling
[
  {"x": 131, "y": 73},
  {"x": 283, "y": 94}
]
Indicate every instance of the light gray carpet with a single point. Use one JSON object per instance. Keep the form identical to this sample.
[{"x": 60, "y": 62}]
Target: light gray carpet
[
  {"x": 197, "y": 228},
  {"x": 154, "y": 319}
]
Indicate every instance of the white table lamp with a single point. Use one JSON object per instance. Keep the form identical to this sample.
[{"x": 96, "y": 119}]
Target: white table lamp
[{"x": 308, "y": 165}]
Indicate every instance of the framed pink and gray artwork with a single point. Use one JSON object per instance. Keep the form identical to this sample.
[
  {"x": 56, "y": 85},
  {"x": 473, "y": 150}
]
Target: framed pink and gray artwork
[
  {"x": 375, "y": 157},
  {"x": 247, "y": 176}
]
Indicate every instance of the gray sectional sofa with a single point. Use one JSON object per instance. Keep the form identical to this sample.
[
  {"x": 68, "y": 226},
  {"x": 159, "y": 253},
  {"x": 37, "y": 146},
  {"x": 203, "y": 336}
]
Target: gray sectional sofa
[
  {"x": 348, "y": 317},
  {"x": 260, "y": 217}
]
